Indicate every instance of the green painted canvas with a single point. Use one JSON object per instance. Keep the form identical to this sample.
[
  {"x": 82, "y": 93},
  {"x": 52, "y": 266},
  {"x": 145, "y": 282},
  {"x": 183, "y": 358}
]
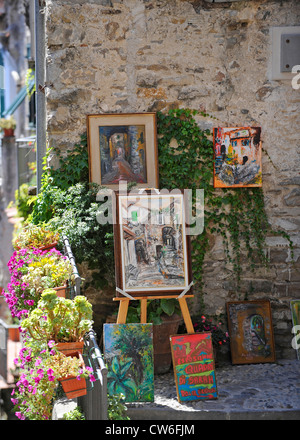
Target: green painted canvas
[{"x": 128, "y": 350}]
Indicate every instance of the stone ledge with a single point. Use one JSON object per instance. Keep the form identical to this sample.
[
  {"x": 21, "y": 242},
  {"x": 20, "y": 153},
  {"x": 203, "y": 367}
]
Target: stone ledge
[{"x": 62, "y": 406}]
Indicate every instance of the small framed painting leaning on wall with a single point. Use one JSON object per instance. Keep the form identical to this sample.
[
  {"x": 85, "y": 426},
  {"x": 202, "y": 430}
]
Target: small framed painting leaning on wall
[{"x": 251, "y": 331}]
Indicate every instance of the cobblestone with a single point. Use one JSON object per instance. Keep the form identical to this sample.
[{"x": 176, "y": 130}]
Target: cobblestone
[{"x": 254, "y": 391}]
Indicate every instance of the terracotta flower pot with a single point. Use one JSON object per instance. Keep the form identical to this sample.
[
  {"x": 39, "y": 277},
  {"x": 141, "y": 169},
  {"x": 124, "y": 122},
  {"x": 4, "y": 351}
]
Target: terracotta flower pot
[
  {"x": 14, "y": 334},
  {"x": 69, "y": 347},
  {"x": 72, "y": 386},
  {"x": 61, "y": 291},
  {"x": 8, "y": 132},
  {"x": 48, "y": 246}
]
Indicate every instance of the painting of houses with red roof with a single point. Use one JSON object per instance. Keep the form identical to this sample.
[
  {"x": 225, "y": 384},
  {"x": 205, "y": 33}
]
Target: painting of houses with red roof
[{"x": 237, "y": 157}]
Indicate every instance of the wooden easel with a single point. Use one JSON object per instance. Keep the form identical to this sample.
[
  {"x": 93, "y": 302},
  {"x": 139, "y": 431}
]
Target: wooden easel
[{"x": 124, "y": 303}]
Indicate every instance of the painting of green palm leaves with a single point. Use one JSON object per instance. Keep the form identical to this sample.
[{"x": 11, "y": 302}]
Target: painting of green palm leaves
[{"x": 128, "y": 350}]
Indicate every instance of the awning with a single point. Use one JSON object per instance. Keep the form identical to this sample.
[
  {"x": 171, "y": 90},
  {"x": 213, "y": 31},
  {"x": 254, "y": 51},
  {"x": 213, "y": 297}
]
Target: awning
[{"x": 18, "y": 100}]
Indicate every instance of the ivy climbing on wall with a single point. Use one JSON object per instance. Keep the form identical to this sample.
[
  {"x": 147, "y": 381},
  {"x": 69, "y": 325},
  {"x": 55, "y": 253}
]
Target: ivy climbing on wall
[{"x": 186, "y": 161}]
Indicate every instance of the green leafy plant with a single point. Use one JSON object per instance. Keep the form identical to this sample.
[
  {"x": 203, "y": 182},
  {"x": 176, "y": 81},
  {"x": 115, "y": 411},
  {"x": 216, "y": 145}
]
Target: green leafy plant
[
  {"x": 116, "y": 407},
  {"x": 59, "y": 319},
  {"x": 22, "y": 199},
  {"x": 74, "y": 414},
  {"x": 238, "y": 215},
  {"x": 156, "y": 308}
]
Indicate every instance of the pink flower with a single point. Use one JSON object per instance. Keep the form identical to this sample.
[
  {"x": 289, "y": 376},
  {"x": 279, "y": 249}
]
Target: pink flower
[
  {"x": 38, "y": 362},
  {"x": 20, "y": 415},
  {"x": 50, "y": 372}
]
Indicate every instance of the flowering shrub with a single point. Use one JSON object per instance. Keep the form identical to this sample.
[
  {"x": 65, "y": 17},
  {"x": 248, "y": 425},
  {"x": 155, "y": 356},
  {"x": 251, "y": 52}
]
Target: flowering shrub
[
  {"x": 51, "y": 270},
  {"x": 26, "y": 283},
  {"x": 219, "y": 336},
  {"x": 7, "y": 123},
  {"x": 35, "y": 390},
  {"x": 35, "y": 236}
]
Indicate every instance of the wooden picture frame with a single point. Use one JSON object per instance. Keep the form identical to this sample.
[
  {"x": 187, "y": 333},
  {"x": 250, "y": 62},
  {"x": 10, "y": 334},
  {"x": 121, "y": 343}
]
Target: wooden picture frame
[
  {"x": 251, "y": 331},
  {"x": 194, "y": 366},
  {"x": 123, "y": 147},
  {"x": 237, "y": 157},
  {"x": 152, "y": 250}
]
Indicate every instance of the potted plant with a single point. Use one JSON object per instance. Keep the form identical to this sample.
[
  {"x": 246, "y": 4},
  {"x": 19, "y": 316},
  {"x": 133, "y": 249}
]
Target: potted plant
[
  {"x": 36, "y": 388},
  {"x": 8, "y": 125},
  {"x": 62, "y": 320},
  {"x": 71, "y": 373},
  {"x": 19, "y": 297},
  {"x": 51, "y": 270},
  {"x": 36, "y": 236},
  {"x": 32, "y": 271}
]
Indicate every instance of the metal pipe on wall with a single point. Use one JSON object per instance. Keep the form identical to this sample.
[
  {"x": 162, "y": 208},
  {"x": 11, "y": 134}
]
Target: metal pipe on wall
[{"x": 40, "y": 79}]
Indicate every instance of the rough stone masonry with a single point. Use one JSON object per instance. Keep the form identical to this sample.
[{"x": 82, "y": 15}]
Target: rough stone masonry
[{"x": 114, "y": 56}]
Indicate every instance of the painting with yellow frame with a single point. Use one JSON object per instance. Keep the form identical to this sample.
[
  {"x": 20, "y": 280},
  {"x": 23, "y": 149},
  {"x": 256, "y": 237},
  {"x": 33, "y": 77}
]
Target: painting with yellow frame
[{"x": 123, "y": 147}]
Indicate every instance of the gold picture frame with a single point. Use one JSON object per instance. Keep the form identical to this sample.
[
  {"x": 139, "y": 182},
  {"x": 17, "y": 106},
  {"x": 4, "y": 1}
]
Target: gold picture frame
[{"x": 123, "y": 147}]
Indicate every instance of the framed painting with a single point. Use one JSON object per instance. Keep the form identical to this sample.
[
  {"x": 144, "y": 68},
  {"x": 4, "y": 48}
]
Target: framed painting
[
  {"x": 194, "y": 367},
  {"x": 251, "y": 332},
  {"x": 237, "y": 157},
  {"x": 295, "y": 311},
  {"x": 128, "y": 351},
  {"x": 152, "y": 250},
  {"x": 123, "y": 147}
]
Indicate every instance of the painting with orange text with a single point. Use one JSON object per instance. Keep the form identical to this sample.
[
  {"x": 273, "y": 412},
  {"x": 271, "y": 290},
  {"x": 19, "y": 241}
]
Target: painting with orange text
[{"x": 194, "y": 368}]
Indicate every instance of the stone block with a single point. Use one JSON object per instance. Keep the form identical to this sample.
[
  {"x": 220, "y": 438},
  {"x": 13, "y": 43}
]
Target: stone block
[
  {"x": 278, "y": 255},
  {"x": 293, "y": 198}
]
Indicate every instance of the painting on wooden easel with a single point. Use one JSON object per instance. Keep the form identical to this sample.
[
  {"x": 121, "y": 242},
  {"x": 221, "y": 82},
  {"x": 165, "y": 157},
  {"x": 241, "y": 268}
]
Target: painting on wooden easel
[{"x": 151, "y": 246}]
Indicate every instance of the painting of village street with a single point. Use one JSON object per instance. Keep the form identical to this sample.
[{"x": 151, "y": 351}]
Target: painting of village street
[
  {"x": 123, "y": 154},
  {"x": 153, "y": 243},
  {"x": 128, "y": 350},
  {"x": 237, "y": 157}
]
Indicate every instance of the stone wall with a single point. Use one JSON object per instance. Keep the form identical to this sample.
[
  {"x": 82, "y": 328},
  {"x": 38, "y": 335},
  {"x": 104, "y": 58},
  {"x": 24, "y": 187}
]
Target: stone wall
[{"x": 147, "y": 55}]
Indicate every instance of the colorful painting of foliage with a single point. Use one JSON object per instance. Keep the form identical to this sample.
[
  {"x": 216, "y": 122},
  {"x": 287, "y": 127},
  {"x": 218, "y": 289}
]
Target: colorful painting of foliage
[{"x": 128, "y": 350}]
